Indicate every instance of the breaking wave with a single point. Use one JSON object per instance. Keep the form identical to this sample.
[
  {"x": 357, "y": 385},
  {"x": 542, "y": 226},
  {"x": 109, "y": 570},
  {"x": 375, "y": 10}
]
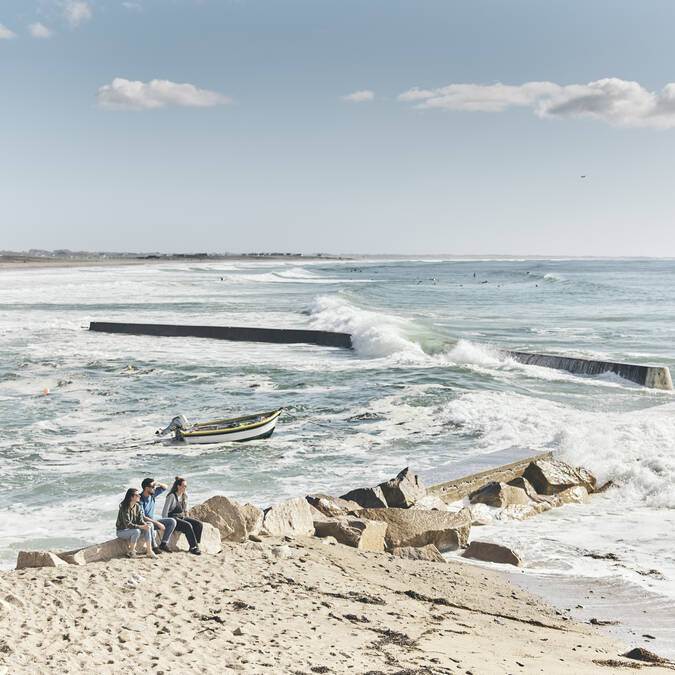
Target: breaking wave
[{"x": 631, "y": 448}]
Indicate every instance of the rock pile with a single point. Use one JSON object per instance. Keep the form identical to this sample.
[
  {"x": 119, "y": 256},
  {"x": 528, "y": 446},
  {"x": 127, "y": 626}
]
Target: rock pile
[{"x": 399, "y": 516}]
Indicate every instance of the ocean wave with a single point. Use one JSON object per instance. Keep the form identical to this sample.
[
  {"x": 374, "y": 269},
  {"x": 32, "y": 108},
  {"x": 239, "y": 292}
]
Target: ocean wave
[
  {"x": 631, "y": 448},
  {"x": 374, "y": 334},
  {"x": 550, "y": 277}
]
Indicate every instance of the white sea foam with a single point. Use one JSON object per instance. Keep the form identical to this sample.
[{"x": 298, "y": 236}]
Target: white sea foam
[
  {"x": 551, "y": 276},
  {"x": 466, "y": 352},
  {"x": 632, "y": 448},
  {"x": 374, "y": 334}
]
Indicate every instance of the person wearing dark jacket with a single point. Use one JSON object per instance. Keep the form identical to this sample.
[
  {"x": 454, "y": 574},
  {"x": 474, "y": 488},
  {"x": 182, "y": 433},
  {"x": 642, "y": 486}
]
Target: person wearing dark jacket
[
  {"x": 176, "y": 506},
  {"x": 130, "y": 523}
]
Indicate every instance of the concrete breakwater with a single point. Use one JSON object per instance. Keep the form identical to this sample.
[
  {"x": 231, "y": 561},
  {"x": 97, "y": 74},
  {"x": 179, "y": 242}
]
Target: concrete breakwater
[
  {"x": 236, "y": 333},
  {"x": 655, "y": 377}
]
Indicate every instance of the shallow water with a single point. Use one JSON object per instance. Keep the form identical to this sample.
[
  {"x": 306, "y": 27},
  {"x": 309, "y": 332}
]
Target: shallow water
[{"x": 424, "y": 362}]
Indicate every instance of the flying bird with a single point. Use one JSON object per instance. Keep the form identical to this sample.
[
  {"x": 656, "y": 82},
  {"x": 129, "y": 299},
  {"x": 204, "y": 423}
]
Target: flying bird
[{"x": 582, "y": 176}]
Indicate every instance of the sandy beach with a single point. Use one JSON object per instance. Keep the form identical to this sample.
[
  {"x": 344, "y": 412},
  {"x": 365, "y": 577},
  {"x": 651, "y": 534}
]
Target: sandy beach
[
  {"x": 17, "y": 262},
  {"x": 288, "y": 606}
]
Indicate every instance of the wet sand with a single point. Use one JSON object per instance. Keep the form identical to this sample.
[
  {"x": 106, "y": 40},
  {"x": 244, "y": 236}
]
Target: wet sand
[{"x": 629, "y": 612}]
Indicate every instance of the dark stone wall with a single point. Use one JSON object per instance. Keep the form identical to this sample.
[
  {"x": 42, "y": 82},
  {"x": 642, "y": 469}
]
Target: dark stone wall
[{"x": 243, "y": 334}]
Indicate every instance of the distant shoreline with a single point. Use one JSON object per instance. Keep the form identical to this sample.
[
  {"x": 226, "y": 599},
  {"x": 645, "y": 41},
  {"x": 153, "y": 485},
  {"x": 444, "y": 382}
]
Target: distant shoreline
[{"x": 29, "y": 262}]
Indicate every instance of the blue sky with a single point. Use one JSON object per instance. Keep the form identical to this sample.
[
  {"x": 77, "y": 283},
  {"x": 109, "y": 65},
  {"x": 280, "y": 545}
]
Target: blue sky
[{"x": 226, "y": 125}]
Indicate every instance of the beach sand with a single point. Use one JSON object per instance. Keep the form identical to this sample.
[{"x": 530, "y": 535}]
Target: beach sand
[
  {"x": 288, "y": 606},
  {"x": 18, "y": 262}
]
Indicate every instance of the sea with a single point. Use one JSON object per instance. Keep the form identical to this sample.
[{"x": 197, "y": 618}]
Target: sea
[{"x": 425, "y": 385}]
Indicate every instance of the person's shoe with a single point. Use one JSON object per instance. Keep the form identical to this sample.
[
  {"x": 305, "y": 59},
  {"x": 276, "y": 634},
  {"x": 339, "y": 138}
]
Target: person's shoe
[
  {"x": 195, "y": 551},
  {"x": 151, "y": 554},
  {"x": 131, "y": 554},
  {"x": 156, "y": 550},
  {"x": 163, "y": 547}
]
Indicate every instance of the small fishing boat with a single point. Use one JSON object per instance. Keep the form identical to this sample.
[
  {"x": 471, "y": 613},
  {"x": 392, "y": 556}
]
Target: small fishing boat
[{"x": 247, "y": 428}]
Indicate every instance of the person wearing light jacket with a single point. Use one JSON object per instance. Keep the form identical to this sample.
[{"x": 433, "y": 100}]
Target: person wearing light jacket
[{"x": 176, "y": 506}]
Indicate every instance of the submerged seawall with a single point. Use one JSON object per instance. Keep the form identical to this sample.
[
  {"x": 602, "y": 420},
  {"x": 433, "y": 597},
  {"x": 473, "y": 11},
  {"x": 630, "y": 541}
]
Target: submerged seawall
[
  {"x": 236, "y": 333},
  {"x": 655, "y": 377}
]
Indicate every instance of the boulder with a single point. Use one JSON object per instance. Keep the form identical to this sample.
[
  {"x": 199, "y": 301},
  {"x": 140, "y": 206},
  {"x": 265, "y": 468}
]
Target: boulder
[
  {"x": 574, "y": 495},
  {"x": 317, "y": 515},
  {"x": 416, "y": 527},
  {"x": 113, "y": 548},
  {"x": 550, "y": 476},
  {"x": 210, "y": 542},
  {"x": 524, "y": 484},
  {"x": 226, "y": 515},
  {"x": 291, "y": 517},
  {"x": 483, "y": 550},
  {"x": 367, "y": 535},
  {"x": 254, "y": 518},
  {"x": 367, "y": 498},
  {"x": 431, "y": 502},
  {"x": 523, "y": 511},
  {"x": 429, "y": 552},
  {"x": 404, "y": 490},
  {"x": 27, "y": 559},
  {"x": 332, "y": 507},
  {"x": 499, "y": 494}
]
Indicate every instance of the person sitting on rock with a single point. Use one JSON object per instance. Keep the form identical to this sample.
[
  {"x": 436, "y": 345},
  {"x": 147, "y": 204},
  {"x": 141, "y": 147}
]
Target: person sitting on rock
[
  {"x": 165, "y": 526},
  {"x": 175, "y": 506},
  {"x": 130, "y": 524}
]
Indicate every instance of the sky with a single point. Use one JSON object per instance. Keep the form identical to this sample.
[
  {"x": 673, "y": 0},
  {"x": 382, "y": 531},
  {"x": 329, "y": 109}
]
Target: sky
[{"x": 350, "y": 126}]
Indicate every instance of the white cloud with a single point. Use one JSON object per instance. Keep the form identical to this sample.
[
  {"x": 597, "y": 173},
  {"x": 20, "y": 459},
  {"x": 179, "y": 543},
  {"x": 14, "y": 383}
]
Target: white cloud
[
  {"x": 612, "y": 100},
  {"x": 133, "y": 5},
  {"x": 359, "y": 96},
  {"x": 76, "y": 12},
  {"x": 5, "y": 33},
  {"x": 487, "y": 98},
  {"x": 135, "y": 95},
  {"x": 38, "y": 30}
]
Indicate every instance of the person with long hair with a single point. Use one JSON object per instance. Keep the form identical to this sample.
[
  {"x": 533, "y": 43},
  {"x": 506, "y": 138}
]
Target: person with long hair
[
  {"x": 176, "y": 506},
  {"x": 130, "y": 524}
]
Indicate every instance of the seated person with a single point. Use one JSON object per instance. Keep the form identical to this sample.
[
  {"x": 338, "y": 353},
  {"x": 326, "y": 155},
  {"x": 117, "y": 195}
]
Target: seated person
[
  {"x": 130, "y": 524},
  {"x": 175, "y": 505},
  {"x": 165, "y": 526}
]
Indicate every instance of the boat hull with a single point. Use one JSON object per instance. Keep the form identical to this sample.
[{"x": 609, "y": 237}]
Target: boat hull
[{"x": 254, "y": 432}]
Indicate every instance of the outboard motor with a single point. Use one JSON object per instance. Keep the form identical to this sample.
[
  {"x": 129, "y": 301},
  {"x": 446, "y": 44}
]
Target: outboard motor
[{"x": 178, "y": 422}]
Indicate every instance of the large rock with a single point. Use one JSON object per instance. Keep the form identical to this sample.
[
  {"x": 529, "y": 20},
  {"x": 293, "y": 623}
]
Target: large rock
[
  {"x": 367, "y": 498},
  {"x": 431, "y": 502},
  {"x": 574, "y": 495},
  {"x": 114, "y": 548},
  {"x": 524, "y": 484},
  {"x": 499, "y": 494},
  {"x": 429, "y": 552},
  {"x": 523, "y": 511},
  {"x": 483, "y": 550},
  {"x": 415, "y": 527},
  {"x": 226, "y": 515},
  {"x": 550, "y": 476},
  {"x": 254, "y": 518},
  {"x": 333, "y": 507},
  {"x": 367, "y": 535},
  {"x": 210, "y": 542},
  {"x": 404, "y": 490},
  {"x": 27, "y": 559},
  {"x": 292, "y": 517}
]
